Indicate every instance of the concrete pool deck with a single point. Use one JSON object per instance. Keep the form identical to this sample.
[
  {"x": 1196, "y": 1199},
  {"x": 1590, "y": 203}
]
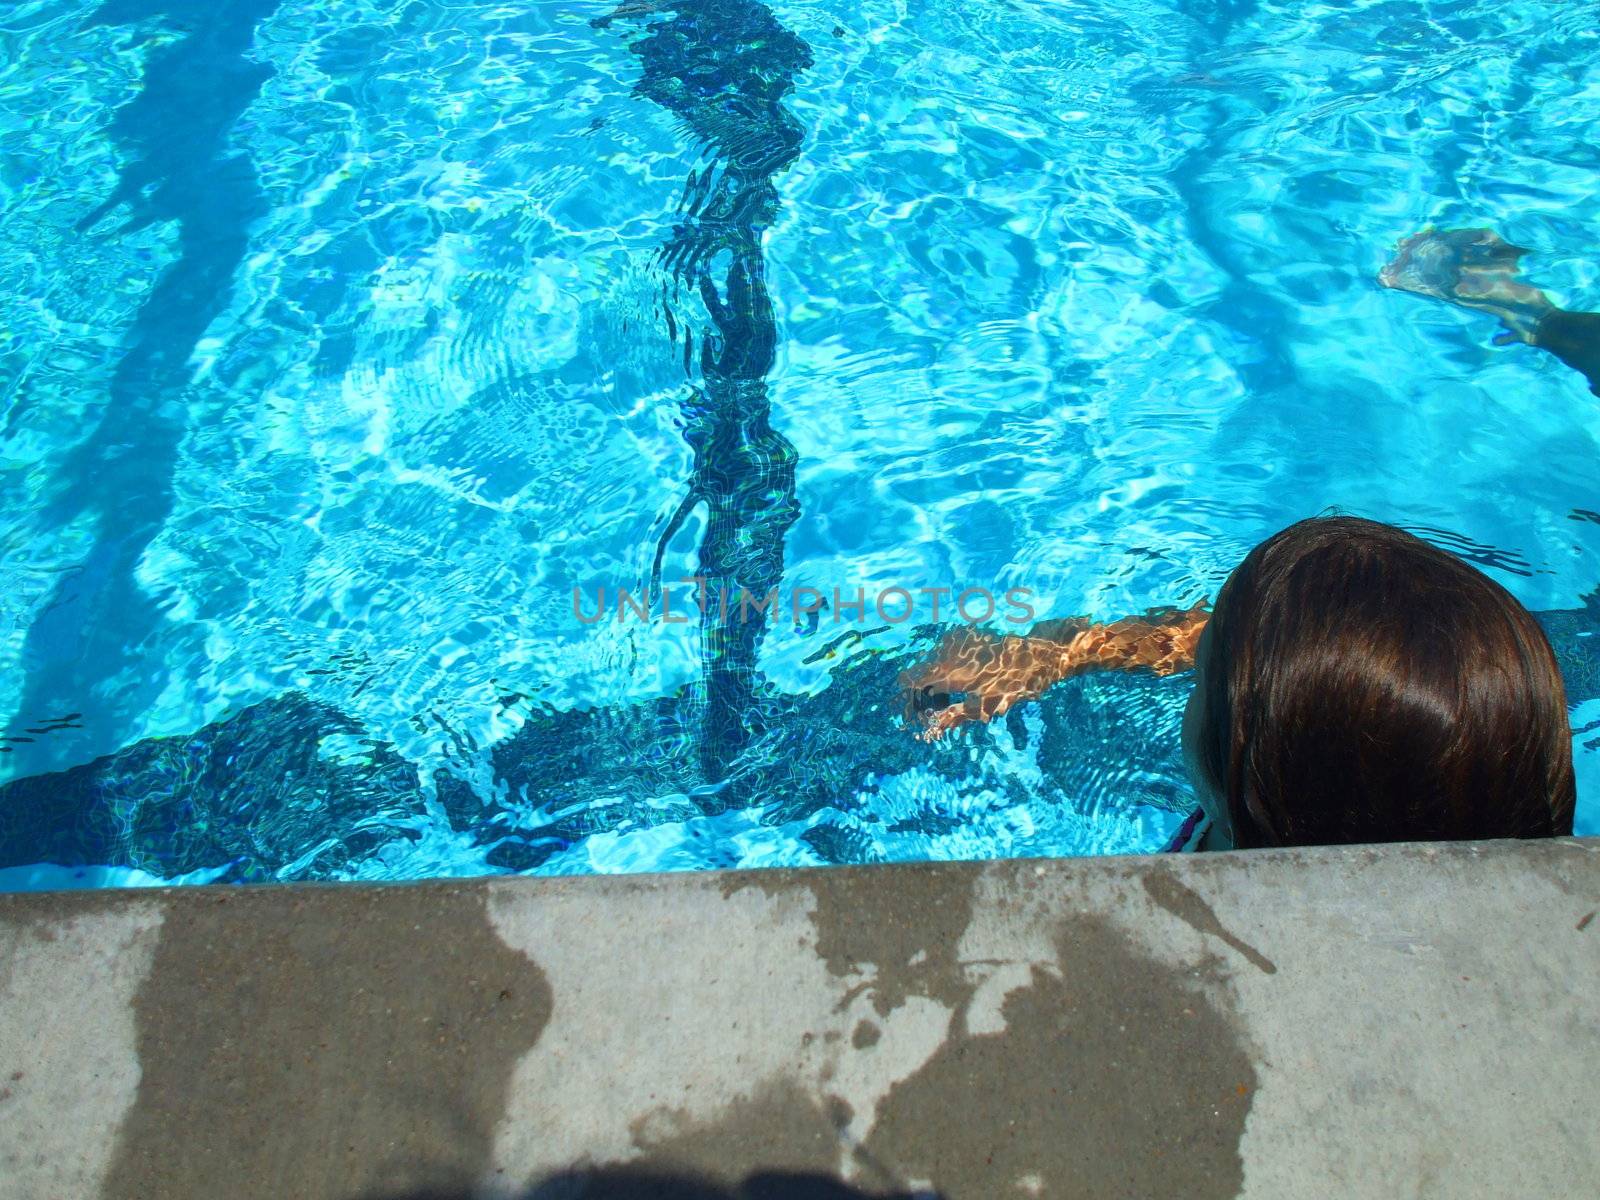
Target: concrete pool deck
[{"x": 1404, "y": 1021}]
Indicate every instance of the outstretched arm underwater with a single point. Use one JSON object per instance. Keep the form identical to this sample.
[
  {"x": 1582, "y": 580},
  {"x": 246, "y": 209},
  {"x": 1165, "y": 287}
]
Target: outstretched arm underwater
[
  {"x": 1476, "y": 269},
  {"x": 977, "y": 676}
]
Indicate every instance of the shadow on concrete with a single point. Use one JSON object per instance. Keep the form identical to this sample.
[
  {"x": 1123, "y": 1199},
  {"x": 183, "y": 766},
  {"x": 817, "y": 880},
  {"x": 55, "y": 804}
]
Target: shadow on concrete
[{"x": 631, "y": 1183}]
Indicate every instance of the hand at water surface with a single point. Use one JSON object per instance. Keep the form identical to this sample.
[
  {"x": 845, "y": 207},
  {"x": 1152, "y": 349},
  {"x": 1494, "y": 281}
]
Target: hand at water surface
[{"x": 1472, "y": 268}]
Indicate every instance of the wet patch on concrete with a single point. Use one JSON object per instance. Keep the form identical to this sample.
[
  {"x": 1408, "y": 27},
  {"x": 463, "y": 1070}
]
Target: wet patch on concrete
[
  {"x": 1119, "y": 1077},
  {"x": 1190, "y": 907},
  {"x": 347, "y": 1045},
  {"x": 901, "y": 941},
  {"x": 781, "y": 1127}
]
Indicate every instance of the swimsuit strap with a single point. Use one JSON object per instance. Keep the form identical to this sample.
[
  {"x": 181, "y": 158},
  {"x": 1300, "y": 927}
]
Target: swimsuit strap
[{"x": 1188, "y": 835}]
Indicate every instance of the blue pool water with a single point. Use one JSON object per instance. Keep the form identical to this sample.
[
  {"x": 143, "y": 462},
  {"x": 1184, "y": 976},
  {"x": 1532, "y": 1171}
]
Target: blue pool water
[{"x": 341, "y": 343}]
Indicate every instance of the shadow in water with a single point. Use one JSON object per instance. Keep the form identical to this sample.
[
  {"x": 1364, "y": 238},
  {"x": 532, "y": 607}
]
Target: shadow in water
[
  {"x": 94, "y": 634},
  {"x": 255, "y": 797}
]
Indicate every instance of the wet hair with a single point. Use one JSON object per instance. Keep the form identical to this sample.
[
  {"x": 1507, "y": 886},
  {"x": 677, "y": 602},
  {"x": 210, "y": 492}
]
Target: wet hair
[{"x": 1360, "y": 685}]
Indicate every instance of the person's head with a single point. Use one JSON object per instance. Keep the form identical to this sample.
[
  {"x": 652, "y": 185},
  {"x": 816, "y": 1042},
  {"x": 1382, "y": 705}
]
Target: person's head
[{"x": 1355, "y": 684}]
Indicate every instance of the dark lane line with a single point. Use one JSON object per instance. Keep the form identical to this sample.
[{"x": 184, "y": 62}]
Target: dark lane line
[{"x": 723, "y": 68}]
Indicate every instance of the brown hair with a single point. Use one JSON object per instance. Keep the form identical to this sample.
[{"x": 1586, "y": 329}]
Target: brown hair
[{"x": 1360, "y": 685}]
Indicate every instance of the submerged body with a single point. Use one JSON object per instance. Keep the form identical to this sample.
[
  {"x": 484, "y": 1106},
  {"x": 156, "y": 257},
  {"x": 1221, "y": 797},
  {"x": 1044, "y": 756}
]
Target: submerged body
[{"x": 1477, "y": 269}]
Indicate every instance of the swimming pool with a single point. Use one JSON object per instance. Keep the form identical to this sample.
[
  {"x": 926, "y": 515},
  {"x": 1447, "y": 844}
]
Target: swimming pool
[{"x": 356, "y": 358}]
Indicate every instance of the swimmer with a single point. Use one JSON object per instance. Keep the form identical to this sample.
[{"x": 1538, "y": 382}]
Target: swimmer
[
  {"x": 1476, "y": 269},
  {"x": 1353, "y": 684}
]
